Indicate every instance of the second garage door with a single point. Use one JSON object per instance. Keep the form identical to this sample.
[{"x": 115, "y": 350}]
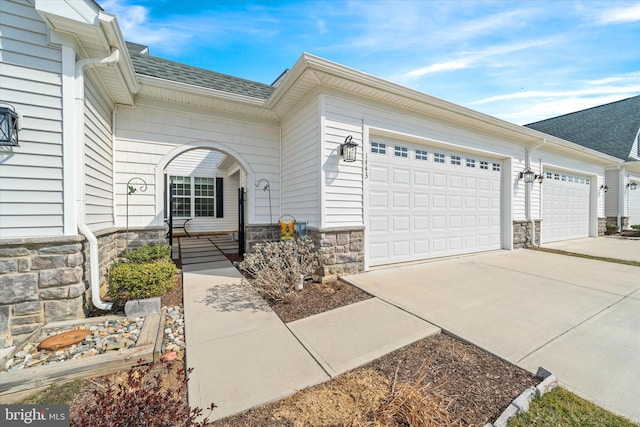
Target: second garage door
[
  {"x": 426, "y": 202},
  {"x": 565, "y": 206}
]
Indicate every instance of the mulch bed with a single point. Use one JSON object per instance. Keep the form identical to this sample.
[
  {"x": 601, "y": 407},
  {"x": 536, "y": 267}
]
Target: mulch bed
[{"x": 316, "y": 298}]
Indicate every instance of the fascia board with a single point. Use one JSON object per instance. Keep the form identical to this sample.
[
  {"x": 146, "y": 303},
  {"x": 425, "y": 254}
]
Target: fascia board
[
  {"x": 109, "y": 24},
  {"x": 201, "y": 91}
]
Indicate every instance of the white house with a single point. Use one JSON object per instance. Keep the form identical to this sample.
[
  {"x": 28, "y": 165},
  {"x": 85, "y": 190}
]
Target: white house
[
  {"x": 106, "y": 127},
  {"x": 613, "y": 129}
]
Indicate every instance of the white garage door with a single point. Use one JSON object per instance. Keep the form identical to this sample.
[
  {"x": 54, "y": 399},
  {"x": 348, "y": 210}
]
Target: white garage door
[
  {"x": 565, "y": 206},
  {"x": 427, "y": 202},
  {"x": 634, "y": 205}
]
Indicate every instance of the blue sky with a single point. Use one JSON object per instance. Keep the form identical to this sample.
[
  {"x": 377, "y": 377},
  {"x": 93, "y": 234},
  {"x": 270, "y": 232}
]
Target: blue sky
[{"x": 521, "y": 61}]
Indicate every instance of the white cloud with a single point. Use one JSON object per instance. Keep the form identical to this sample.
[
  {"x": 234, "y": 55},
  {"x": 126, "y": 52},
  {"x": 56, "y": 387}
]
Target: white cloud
[
  {"x": 620, "y": 15},
  {"x": 437, "y": 68}
]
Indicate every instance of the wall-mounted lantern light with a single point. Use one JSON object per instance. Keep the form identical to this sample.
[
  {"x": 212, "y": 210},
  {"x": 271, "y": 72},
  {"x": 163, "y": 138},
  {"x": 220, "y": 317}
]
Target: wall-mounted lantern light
[
  {"x": 348, "y": 150},
  {"x": 539, "y": 178},
  {"x": 9, "y": 126},
  {"x": 527, "y": 175},
  {"x": 632, "y": 186},
  {"x": 604, "y": 188}
]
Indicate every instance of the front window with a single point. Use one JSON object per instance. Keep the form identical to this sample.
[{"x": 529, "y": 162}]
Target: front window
[{"x": 195, "y": 196}]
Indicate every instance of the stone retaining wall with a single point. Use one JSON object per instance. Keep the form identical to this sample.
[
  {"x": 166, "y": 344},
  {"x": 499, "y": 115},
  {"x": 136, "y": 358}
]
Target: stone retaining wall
[
  {"x": 341, "y": 250},
  {"x": 522, "y": 233},
  {"x": 47, "y": 279}
]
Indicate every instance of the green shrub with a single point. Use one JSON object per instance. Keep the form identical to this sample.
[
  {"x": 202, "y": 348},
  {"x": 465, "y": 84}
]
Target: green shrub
[
  {"x": 636, "y": 227},
  {"x": 130, "y": 280},
  {"x": 149, "y": 253}
]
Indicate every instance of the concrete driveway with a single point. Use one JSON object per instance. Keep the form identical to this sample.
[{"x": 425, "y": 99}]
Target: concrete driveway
[
  {"x": 578, "y": 318},
  {"x": 607, "y": 247}
]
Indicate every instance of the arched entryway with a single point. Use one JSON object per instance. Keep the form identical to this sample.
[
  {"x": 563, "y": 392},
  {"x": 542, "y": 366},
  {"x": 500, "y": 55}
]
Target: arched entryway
[{"x": 199, "y": 187}]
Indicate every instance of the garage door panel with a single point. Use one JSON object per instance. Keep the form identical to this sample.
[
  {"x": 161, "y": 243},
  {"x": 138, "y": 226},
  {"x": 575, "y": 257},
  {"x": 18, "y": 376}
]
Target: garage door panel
[
  {"x": 421, "y": 179},
  {"x": 420, "y": 200},
  {"x": 455, "y": 182},
  {"x": 439, "y": 201},
  {"x": 379, "y": 174},
  {"x": 455, "y": 202},
  {"x": 400, "y": 223},
  {"x": 378, "y": 199},
  {"x": 400, "y": 200},
  {"x": 436, "y": 207},
  {"x": 439, "y": 180},
  {"x": 400, "y": 249},
  {"x": 401, "y": 176}
]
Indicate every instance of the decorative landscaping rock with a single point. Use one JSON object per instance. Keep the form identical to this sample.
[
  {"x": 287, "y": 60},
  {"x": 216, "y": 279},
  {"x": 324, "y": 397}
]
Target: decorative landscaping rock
[
  {"x": 63, "y": 340},
  {"x": 97, "y": 338}
]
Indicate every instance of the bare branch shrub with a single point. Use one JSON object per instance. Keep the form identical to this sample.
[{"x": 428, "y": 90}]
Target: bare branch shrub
[{"x": 275, "y": 268}]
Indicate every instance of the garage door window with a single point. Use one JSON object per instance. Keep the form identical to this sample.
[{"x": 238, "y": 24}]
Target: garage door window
[
  {"x": 484, "y": 165},
  {"x": 438, "y": 158},
  {"x": 421, "y": 155},
  {"x": 496, "y": 167},
  {"x": 401, "y": 151},
  {"x": 471, "y": 163},
  {"x": 455, "y": 160},
  {"x": 378, "y": 148}
]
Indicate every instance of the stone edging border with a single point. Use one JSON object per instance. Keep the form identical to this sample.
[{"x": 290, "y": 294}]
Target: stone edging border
[{"x": 521, "y": 403}]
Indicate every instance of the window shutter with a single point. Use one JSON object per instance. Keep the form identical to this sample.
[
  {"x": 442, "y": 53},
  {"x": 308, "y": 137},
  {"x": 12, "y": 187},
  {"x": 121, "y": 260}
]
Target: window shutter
[{"x": 219, "y": 198}]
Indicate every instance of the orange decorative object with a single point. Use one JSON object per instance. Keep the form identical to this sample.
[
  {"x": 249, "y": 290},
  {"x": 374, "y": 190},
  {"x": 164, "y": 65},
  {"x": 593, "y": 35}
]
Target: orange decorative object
[
  {"x": 287, "y": 229},
  {"x": 63, "y": 340}
]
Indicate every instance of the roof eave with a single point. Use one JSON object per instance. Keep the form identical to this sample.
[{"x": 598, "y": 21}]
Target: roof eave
[{"x": 96, "y": 33}]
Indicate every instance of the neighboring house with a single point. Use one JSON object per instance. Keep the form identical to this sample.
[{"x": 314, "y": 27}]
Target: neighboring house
[
  {"x": 430, "y": 178},
  {"x": 613, "y": 129}
]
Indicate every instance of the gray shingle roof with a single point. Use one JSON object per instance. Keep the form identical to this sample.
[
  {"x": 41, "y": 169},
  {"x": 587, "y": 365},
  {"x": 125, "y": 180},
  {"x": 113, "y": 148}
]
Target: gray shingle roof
[
  {"x": 174, "y": 71},
  {"x": 609, "y": 128}
]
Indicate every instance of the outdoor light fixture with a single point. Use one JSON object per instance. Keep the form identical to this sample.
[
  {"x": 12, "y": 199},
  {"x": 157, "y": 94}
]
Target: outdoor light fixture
[
  {"x": 540, "y": 178},
  {"x": 604, "y": 188},
  {"x": 348, "y": 150},
  {"x": 9, "y": 127},
  {"x": 632, "y": 186},
  {"x": 528, "y": 175}
]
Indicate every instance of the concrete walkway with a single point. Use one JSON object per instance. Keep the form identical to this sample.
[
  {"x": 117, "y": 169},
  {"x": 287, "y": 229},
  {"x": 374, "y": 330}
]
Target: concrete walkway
[
  {"x": 244, "y": 356},
  {"x": 608, "y": 247},
  {"x": 578, "y": 318}
]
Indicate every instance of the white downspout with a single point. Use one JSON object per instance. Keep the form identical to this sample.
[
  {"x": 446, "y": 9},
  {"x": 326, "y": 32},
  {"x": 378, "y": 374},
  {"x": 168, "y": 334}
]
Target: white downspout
[
  {"x": 621, "y": 197},
  {"x": 527, "y": 192},
  {"x": 94, "y": 261}
]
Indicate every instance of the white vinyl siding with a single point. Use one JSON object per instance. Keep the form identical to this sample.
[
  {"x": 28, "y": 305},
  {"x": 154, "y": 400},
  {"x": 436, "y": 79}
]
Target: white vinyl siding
[
  {"x": 31, "y": 186},
  {"x": 633, "y": 200},
  {"x": 98, "y": 159},
  {"x": 301, "y": 165},
  {"x": 146, "y": 134},
  {"x": 612, "y": 198}
]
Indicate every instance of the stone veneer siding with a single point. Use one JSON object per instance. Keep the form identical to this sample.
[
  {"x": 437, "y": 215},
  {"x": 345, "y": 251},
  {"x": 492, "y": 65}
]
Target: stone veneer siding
[
  {"x": 522, "y": 233},
  {"x": 256, "y": 233},
  {"x": 47, "y": 279},
  {"x": 612, "y": 220},
  {"x": 341, "y": 250}
]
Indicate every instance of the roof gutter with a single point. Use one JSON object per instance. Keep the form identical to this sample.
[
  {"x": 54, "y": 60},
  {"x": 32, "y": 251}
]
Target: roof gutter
[{"x": 79, "y": 110}]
